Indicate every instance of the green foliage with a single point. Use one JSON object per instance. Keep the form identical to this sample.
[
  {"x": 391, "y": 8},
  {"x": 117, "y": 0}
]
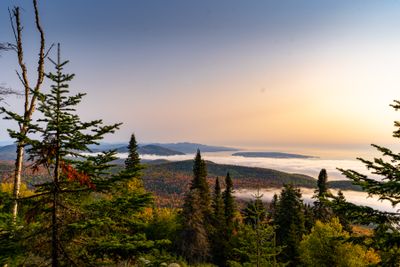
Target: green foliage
[
  {"x": 63, "y": 138},
  {"x": 255, "y": 246},
  {"x": 385, "y": 187},
  {"x": 229, "y": 202},
  {"x": 321, "y": 208},
  {"x": 254, "y": 212},
  {"x": 255, "y": 243},
  {"x": 132, "y": 162},
  {"x": 289, "y": 222},
  {"x": 200, "y": 182},
  {"x": 194, "y": 243},
  {"x": 196, "y": 219},
  {"x": 218, "y": 236},
  {"x": 164, "y": 224},
  {"x": 322, "y": 183},
  {"x": 328, "y": 245}
]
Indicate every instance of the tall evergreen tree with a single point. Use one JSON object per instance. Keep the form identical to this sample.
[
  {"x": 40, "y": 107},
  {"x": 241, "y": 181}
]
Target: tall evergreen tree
[
  {"x": 217, "y": 237},
  {"x": 218, "y": 204},
  {"x": 200, "y": 182},
  {"x": 321, "y": 208},
  {"x": 229, "y": 202},
  {"x": 132, "y": 162},
  {"x": 194, "y": 242},
  {"x": 289, "y": 220},
  {"x": 255, "y": 212},
  {"x": 322, "y": 183},
  {"x": 65, "y": 137},
  {"x": 255, "y": 242}
]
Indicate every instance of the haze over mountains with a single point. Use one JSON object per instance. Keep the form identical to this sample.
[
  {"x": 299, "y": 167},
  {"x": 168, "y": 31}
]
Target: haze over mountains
[
  {"x": 7, "y": 152},
  {"x": 164, "y": 149},
  {"x": 278, "y": 155}
]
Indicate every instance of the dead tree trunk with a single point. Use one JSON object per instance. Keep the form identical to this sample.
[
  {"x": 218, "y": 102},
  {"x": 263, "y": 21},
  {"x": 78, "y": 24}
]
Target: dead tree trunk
[{"x": 29, "y": 96}]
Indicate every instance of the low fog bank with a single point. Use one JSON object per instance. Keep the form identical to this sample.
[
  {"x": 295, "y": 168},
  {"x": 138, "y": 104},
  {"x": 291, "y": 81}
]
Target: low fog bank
[
  {"x": 309, "y": 167},
  {"x": 358, "y": 198}
]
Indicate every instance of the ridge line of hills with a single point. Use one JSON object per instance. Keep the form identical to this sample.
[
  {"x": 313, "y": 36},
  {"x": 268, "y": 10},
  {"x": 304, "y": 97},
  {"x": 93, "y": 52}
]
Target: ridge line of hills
[{"x": 7, "y": 152}]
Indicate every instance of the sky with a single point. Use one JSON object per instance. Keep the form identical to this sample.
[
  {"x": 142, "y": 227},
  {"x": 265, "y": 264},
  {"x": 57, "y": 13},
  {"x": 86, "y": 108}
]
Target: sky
[{"x": 225, "y": 72}]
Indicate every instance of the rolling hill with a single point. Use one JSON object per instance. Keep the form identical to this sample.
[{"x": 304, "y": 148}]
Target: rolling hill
[
  {"x": 170, "y": 180},
  {"x": 152, "y": 150}
]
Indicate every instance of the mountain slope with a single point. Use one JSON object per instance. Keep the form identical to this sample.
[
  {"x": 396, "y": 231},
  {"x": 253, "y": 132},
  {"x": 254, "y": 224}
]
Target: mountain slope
[
  {"x": 152, "y": 150},
  {"x": 173, "y": 178},
  {"x": 191, "y": 148},
  {"x": 8, "y": 152}
]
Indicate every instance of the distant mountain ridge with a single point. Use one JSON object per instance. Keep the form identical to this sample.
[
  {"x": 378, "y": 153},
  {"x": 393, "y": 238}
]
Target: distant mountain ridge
[
  {"x": 178, "y": 148},
  {"x": 152, "y": 150},
  {"x": 8, "y": 152},
  {"x": 191, "y": 148},
  {"x": 277, "y": 155}
]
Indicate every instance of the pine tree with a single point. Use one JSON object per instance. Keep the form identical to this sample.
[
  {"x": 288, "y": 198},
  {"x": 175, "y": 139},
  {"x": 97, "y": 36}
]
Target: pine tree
[
  {"x": 256, "y": 243},
  {"x": 64, "y": 138},
  {"x": 255, "y": 211},
  {"x": 200, "y": 182},
  {"x": 217, "y": 237},
  {"x": 132, "y": 162},
  {"x": 339, "y": 207},
  {"x": 194, "y": 242},
  {"x": 229, "y": 202},
  {"x": 322, "y": 183},
  {"x": 321, "y": 208},
  {"x": 133, "y": 167},
  {"x": 385, "y": 187},
  {"x": 218, "y": 204},
  {"x": 289, "y": 222}
]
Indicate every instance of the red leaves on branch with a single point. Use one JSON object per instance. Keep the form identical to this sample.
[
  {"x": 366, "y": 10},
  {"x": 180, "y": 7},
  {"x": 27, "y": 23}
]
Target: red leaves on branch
[{"x": 75, "y": 176}]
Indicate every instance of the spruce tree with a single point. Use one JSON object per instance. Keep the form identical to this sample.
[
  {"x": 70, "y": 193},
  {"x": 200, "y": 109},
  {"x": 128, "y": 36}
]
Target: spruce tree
[
  {"x": 255, "y": 212},
  {"x": 217, "y": 237},
  {"x": 194, "y": 242},
  {"x": 218, "y": 204},
  {"x": 132, "y": 162},
  {"x": 386, "y": 187},
  {"x": 321, "y": 208},
  {"x": 194, "y": 239},
  {"x": 133, "y": 167},
  {"x": 289, "y": 222},
  {"x": 322, "y": 183},
  {"x": 255, "y": 243},
  {"x": 199, "y": 182},
  {"x": 63, "y": 138},
  {"x": 229, "y": 202}
]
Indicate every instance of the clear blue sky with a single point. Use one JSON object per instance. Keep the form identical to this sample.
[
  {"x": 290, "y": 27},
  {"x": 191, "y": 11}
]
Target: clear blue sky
[{"x": 226, "y": 71}]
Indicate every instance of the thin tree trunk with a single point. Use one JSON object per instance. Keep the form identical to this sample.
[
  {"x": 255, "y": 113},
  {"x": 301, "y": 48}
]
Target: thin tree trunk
[
  {"x": 17, "y": 179},
  {"x": 30, "y": 99},
  {"x": 57, "y": 166},
  {"x": 54, "y": 226}
]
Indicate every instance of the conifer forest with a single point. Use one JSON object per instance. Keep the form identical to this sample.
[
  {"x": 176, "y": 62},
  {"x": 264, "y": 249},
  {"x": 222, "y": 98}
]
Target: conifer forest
[{"x": 68, "y": 197}]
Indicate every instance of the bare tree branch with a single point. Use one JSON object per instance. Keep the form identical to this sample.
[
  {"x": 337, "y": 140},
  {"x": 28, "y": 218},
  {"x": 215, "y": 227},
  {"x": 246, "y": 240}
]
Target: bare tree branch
[{"x": 7, "y": 91}]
